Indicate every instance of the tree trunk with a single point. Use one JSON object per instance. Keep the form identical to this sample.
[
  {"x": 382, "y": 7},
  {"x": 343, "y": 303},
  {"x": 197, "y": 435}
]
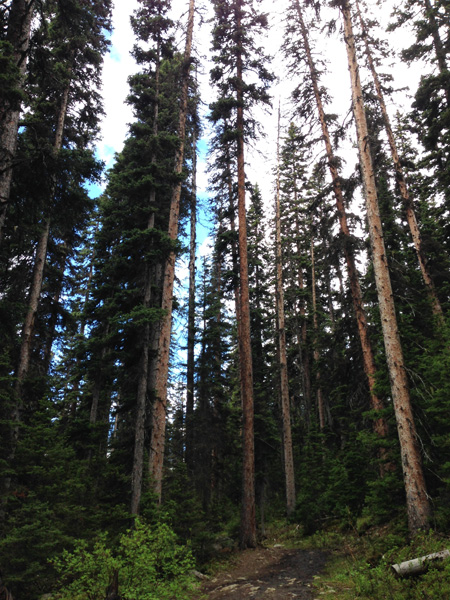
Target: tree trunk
[
  {"x": 380, "y": 424},
  {"x": 418, "y": 506},
  {"x": 191, "y": 318},
  {"x": 401, "y": 181},
  {"x": 18, "y": 34},
  {"x": 158, "y": 432},
  {"x": 248, "y": 512},
  {"x": 284, "y": 381}
]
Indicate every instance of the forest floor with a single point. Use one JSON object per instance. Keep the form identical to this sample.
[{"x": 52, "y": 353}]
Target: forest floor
[{"x": 275, "y": 573}]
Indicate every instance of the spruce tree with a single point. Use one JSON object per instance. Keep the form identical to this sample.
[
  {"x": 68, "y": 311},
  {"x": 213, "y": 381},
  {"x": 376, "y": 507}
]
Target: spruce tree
[
  {"x": 157, "y": 441},
  {"x": 418, "y": 506},
  {"x": 235, "y": 54}
]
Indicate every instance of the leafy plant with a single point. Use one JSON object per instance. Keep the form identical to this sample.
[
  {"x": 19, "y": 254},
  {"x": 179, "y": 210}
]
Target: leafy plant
[{"x": 149, "y": 564}]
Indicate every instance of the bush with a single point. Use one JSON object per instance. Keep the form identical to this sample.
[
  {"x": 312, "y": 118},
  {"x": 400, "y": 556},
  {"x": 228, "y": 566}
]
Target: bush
[{"x": 149, "y": 563}]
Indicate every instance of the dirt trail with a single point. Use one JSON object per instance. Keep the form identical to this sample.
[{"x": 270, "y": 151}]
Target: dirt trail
[{"x": 268, "y": 574}]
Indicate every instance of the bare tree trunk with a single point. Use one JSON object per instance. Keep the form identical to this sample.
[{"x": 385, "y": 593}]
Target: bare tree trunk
[
  {"x": 191, "y": 318},
  {"x": 380, "y": 424},
  {"x": 158, "y": 432},
  {"x": 248, "y": 509},
  {"x": 284, "y": 381},
  {"x": 417, "y": 502},
  {"x": 401, "y": 181},
  {"x": 18, "y": 34}
]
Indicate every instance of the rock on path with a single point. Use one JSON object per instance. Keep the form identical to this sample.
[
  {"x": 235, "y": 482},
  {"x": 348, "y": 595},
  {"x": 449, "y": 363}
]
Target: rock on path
[{"x": 268, "y": 574}]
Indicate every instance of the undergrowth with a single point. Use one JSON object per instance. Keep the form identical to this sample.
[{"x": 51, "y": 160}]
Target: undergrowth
[{"x": 361, "y": 566}]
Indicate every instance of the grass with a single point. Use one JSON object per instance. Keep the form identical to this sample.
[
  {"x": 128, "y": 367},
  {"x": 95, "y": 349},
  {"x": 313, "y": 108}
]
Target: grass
[{"x": 361, "y": 566}]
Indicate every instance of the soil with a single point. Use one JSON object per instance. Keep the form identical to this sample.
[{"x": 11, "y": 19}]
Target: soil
[{"x": 268, "y": 574}]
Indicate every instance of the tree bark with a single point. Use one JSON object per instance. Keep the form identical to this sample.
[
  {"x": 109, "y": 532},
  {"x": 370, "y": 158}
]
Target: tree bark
[
  {"x": 158, "y": 431},
  {"x": 18, "y": 34},
  {"x": 401, "y": 182},
  {"x": 284, "y": 381},
  {"x": 248, "y": 511},
  {"x": 417, "y": 502},
  {"x": 380, "y": 424},
  {"x": 416, "y": 566}
]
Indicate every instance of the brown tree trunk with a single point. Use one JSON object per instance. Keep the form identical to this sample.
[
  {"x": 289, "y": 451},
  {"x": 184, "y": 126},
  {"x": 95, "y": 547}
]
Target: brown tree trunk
[
  {"x": 284, "y": 381},
  {"x": 248, "y": 510},
  {"x": 191, "y": 318},
  {"x": 158, "y": 432},
  {"x": 418, "y": 506},
  {"x": 401, "y": 181},
  {"x": 380, "y": 424},
  {"x": 18, "y": 34}
]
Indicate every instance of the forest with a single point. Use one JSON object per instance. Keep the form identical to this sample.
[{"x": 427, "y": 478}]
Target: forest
[{"x": 308, "y": 382}]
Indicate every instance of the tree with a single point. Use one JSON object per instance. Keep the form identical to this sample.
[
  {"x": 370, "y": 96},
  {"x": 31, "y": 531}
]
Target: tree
[
  {"x": 418, "y": 506},
  {"x": 380, "y": 424},
  {"x": 150, "y": 23},
  {"x": 157, "y": 441},
  {"x": 401, "y": 181},
  {"x": 284, "y": 380},
  {"x": 235, "y": 54}
]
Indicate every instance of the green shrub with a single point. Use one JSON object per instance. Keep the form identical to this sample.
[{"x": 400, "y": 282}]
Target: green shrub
[{"x": 149, "y": 563}]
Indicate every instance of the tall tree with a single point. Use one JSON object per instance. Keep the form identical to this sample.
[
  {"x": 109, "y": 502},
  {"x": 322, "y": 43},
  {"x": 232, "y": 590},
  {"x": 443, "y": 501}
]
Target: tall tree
[
  {"x": 150, "y": 24},
  {"x": 235, "y": 24},
  {"x": 157, "y": 442},
  {"x": 284, "y": 380},
  {"x": 380, "y": 424},
  {"x": 400, "y": 177},
  {"x": 417, "y": 502}
]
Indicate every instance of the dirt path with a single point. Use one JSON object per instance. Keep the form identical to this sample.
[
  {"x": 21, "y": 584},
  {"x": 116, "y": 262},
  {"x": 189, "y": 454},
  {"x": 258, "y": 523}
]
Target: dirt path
[{"x": 268, "y": 574}]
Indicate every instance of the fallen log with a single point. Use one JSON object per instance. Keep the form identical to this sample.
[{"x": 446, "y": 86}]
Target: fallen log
[{"x": 416, "y": 566}]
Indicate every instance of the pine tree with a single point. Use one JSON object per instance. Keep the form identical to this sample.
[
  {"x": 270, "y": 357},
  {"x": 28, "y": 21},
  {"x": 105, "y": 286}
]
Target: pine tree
[
  {"x": 418, "y": 506},
  {"x": 284, "y": 379},
  {"x": 150, "y": 24},
  {"x": 235, "y": 25},
  {"x": 157, "y": 441},
  {"x": 380, "y": 424},
  {"x": 400, "y": 177}
]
